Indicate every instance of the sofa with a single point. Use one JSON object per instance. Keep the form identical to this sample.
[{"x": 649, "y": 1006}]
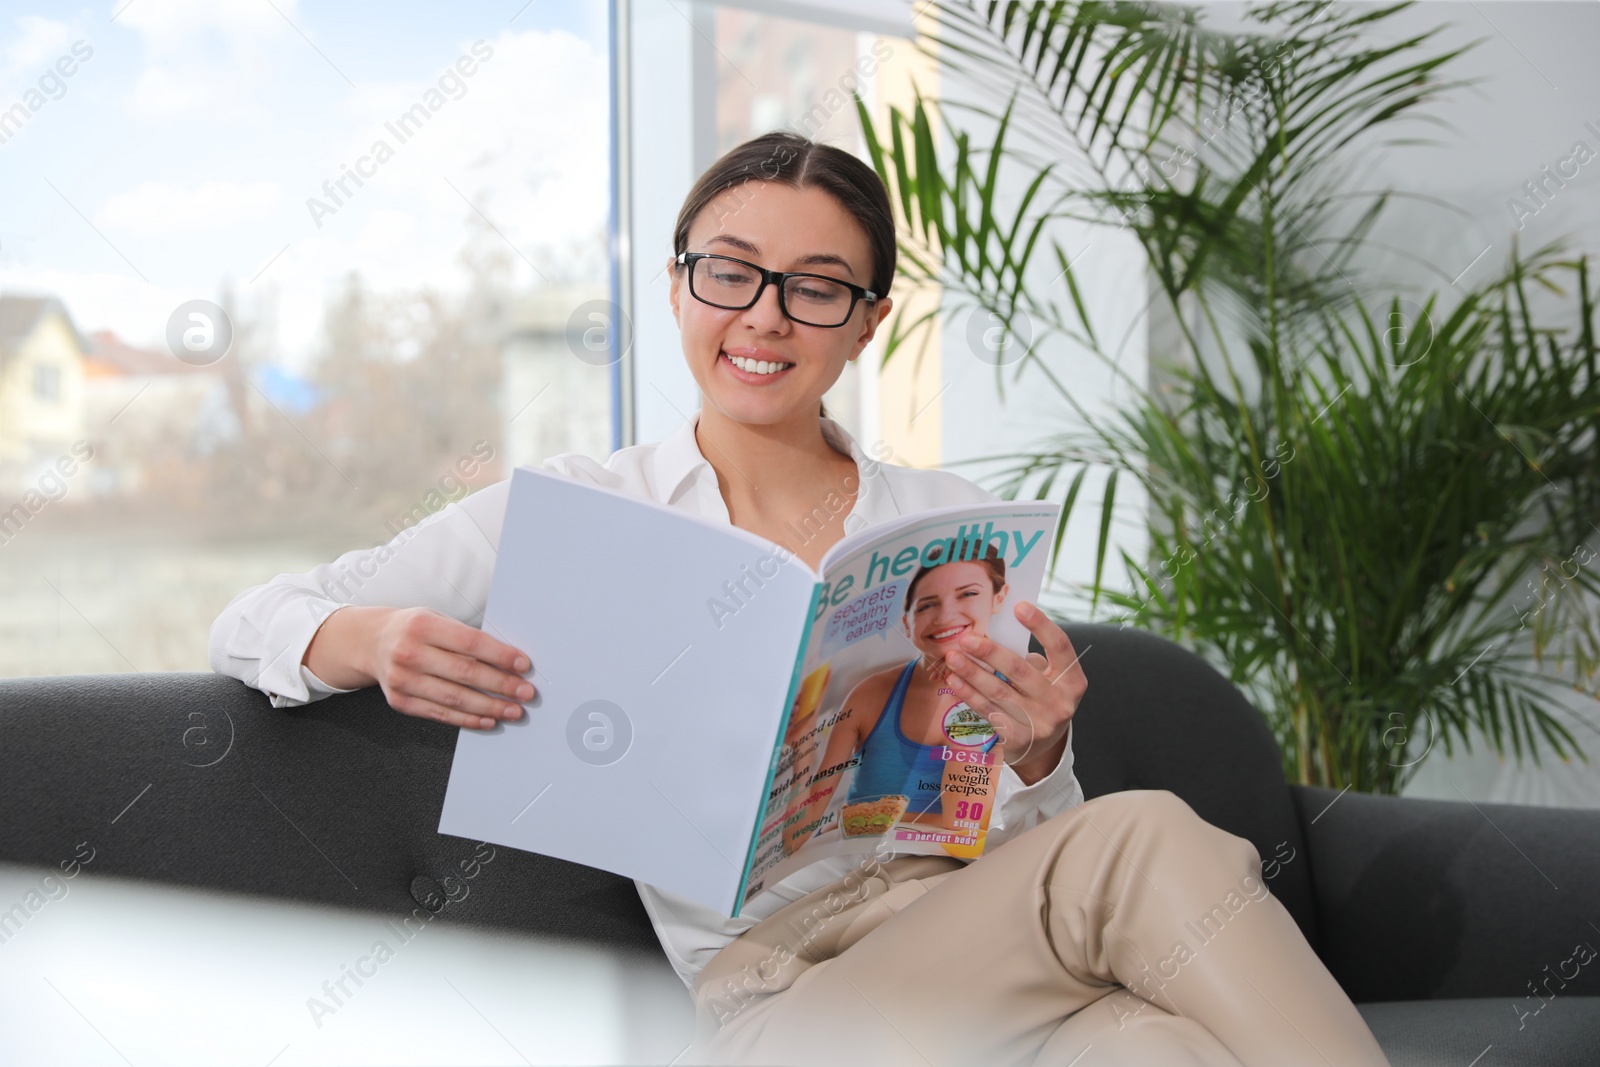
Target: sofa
[{"x": 1459, "y": 929}]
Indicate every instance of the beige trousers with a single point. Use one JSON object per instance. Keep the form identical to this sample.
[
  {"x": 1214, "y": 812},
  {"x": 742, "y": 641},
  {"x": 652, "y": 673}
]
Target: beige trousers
[{"x": 1126, "y": 930}]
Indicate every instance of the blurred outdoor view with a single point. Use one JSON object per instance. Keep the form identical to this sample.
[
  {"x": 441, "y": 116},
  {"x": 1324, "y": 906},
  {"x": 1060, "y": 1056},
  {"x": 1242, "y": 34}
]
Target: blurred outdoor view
[
  {"x": 277, "y": 281},
  {"x": 396, "y": 237}
]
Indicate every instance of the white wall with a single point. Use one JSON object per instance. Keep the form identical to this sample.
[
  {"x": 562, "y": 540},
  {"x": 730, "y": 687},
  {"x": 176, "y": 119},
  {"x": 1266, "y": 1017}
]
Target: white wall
[
  {"x": 1539, "y": 93},
  {"x": 1536, "y": 93}
]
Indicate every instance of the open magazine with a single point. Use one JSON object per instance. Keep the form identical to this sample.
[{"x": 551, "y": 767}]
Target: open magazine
[{"x": 713, "y": 715}]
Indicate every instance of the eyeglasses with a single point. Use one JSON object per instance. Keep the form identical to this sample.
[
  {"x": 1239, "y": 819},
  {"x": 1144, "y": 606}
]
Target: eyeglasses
[{"x": 733, "y": 284}]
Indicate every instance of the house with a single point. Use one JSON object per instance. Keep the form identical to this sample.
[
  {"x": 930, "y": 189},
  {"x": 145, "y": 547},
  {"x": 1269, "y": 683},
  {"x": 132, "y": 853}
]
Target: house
[
  {"x": 41, "y": 388},
  {"x": 153, "y": 416}
]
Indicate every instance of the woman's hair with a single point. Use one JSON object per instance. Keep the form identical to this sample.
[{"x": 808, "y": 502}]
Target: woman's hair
[
  {"x": 787, "y": 157},
  {"x": 991, "y": 561}
]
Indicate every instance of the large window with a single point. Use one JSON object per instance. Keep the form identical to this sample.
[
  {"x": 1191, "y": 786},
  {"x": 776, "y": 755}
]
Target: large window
[{"x": 293, "y": 275}]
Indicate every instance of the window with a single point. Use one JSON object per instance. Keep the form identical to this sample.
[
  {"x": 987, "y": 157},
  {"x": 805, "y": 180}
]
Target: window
[
  {"x": 348, "y": 301},
  {"x": 47, "y": 383}
]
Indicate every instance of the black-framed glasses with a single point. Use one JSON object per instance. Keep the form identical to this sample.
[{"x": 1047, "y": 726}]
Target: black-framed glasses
[{"x": 809, "y": 299}]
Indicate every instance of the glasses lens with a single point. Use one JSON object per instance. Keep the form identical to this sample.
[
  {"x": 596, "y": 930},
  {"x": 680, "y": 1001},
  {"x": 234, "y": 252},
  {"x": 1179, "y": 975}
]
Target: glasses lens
[
  {"x": 817, "y": 301},
  {"x": 724, "y": 282}
]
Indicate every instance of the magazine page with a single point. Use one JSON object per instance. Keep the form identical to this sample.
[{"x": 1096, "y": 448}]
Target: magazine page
[
  {"x": 876, "y": 745},
  {"x": 663, "y": 672}
]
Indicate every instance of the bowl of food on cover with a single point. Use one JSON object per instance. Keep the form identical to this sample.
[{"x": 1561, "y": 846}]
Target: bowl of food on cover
[{"x": 874, "y": 816}]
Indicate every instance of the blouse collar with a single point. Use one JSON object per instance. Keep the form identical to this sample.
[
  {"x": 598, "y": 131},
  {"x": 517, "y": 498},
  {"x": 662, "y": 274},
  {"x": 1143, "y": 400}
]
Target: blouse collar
[{"x": 678, "y": 459}]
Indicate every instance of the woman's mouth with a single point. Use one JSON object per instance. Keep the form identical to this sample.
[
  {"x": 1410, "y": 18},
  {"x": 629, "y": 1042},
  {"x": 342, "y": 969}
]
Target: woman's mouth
[
  {"x": 754, "y": 370},
  {"x": 949, "y": 633}
]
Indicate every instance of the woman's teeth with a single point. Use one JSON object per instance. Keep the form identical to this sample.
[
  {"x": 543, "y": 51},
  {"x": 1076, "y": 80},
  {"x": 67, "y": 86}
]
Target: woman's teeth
[
  {"x": 757, "y": 366},
  {"x": 945, "y": 634}
]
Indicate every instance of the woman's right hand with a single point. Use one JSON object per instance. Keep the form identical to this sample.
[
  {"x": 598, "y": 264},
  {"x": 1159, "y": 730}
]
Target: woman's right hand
[{"x": 429, "y": 665}]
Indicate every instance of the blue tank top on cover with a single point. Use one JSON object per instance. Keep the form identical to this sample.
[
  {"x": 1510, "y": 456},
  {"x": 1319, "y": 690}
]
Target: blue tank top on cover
[{"x": 892, "y": 763}]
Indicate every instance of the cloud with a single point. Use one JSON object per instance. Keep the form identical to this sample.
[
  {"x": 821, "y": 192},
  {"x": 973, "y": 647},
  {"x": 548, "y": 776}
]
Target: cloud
[
  {"x": 207, "y": 58},
  {"x": 526, "y": 141},
  {"x": 29, "y": 49},
  {"x": 224, "y": 202},
  {"x": 171, "y": 92},
  {"x": 171, "y": 26},
  {"x": 156, "y": 208}
]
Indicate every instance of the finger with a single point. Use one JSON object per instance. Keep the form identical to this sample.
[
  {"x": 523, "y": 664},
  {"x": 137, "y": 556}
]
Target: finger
[
  {"x": 1016, "y": 731},
  {"x": 419, "y": 708},
  {"x": 1061, "y": 661},
  {"x": 992, "y": 656},
  {"x": 457, "y": 636},
  {"x": 981, "y": 677},
  {"x": 1037, "y": 661},
  {"x": 970, "y": 678},
  {"x": 464, "y": 670},
  {"x": 1052, "y": 638},
  {"x": 1006, "y": 727},
  {"x": 459, "y": 698},
  {"x": 999, "y": 703}
]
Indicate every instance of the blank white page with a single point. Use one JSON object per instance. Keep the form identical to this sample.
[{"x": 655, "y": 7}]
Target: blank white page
[{"x": 647, "y": 749}]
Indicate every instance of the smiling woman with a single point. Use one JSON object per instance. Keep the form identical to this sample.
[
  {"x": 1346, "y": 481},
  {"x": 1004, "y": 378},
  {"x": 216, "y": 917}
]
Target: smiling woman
[
  {"x": 783, "y": 256},
  {"x": 836, "y": 184}
]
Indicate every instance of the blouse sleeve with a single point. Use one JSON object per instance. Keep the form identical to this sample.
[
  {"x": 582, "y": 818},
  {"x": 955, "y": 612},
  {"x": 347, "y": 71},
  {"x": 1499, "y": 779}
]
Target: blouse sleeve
[
  {"x": 1022, "y": 807},
  {"x": 445, "y": 562}
]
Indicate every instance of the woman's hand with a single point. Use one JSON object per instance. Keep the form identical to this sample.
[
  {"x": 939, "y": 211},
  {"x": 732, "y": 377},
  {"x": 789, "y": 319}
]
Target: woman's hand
[
  {"x": 1033, "y": 713},
  {"x": 429, "y": 665}
]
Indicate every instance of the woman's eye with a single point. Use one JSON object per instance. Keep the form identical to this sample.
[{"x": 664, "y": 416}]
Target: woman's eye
[{"x": 817, "y": 291}]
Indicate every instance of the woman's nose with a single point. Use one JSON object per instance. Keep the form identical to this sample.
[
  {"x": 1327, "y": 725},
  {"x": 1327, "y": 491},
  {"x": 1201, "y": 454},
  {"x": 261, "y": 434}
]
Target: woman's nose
[{"x": 765, "y": 312}]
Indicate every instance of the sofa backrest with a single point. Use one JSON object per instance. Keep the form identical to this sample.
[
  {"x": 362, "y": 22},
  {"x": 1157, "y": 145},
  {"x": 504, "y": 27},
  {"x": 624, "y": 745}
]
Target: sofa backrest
[
  {"x": 197, "y": 779},
  {"x": 1157, "y": 716}
]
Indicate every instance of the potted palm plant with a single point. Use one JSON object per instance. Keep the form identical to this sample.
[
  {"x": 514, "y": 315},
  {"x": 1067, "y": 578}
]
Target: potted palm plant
[{"x": 1372, "y": 509}]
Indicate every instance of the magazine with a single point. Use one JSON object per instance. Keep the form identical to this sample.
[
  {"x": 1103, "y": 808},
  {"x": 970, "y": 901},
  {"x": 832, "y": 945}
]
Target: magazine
[{"x": 713, "y": 715}]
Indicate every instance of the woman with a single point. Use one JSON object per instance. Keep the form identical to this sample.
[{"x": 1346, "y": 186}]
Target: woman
[
  {"x": 900, "y": 721},
  {"x": 1042, "y": 943}
]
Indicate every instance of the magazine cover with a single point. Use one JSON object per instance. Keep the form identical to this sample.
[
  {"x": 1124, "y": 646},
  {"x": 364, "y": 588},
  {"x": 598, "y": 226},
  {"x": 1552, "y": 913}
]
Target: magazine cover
[{"x": 876, "y": 743}]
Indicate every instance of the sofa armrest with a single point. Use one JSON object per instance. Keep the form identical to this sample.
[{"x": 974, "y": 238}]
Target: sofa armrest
[{"x": 1425, "y": 899}]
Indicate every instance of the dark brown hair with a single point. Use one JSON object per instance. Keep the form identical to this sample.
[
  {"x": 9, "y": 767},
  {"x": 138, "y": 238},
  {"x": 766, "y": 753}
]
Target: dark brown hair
[
  {"x": 787, "y": 157},
  {"x": 991, "y": 561}
]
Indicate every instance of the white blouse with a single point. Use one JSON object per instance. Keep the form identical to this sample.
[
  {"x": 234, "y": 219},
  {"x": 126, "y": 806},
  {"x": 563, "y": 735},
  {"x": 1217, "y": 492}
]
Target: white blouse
[{"x": 446, "y": 561}]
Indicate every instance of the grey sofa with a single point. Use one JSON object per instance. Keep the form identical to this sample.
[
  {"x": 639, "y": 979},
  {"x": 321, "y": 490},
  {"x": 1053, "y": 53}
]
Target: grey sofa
[{"x": 1440, "y": 920}]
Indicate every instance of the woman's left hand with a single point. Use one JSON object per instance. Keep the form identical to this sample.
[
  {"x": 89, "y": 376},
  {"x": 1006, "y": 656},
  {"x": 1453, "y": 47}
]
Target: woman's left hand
[{"x": 1032, "y": 712}]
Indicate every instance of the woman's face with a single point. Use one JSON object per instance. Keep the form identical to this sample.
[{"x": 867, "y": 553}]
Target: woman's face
[
  {"x": 951, "y": 601},
  {"x": 778, "y": 227}
]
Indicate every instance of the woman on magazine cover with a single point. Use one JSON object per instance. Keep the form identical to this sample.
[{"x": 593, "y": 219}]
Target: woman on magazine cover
[
  {"x": 895, "y": 720},
  {"x": 1068, "y": 934}
]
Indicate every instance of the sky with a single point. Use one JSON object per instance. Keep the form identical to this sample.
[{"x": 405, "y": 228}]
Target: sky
[{"x": 181, "y": 152}]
